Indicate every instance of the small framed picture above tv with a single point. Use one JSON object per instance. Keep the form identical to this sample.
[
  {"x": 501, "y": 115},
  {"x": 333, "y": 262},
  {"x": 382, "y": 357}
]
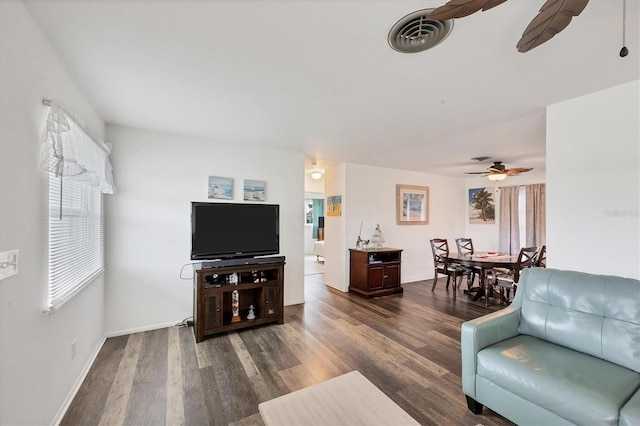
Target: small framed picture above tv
[
  {"x": 221, "y": 230},
  {"x": 254, "y": 190},
  {"x": 220, "y": 187}
]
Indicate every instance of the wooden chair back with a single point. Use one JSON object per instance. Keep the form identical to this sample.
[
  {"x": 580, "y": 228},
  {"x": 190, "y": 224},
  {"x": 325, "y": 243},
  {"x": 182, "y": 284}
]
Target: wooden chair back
[
  {"x": 465, "y": 245},
  {"x": 439, "y": 247},
  {"x": 526, "y": 259},
  {"x": 541, "y": 262}
]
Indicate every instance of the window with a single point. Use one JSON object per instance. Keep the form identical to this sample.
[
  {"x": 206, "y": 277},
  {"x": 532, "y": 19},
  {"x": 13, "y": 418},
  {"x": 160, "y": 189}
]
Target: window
[
  {"x": 522, "y": 214},
  {"x": 79, "y": 173},
  {"x": 522, "y": 217},
  {"x": 76, "y": 254}
]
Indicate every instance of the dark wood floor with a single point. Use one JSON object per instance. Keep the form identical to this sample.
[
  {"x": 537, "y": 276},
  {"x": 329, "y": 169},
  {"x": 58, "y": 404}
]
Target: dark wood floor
[{"x": 408, "y": 345}]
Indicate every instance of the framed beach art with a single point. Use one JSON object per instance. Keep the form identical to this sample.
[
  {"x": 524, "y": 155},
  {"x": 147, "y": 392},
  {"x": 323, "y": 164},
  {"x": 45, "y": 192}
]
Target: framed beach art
[
  {"x": 334, "y": 205},
  {"x": 220, "y": 188},
  {"x": 412, "y": 203},
  {"x": 254, "y": 190},
  {"x": 482, "y": 209}
]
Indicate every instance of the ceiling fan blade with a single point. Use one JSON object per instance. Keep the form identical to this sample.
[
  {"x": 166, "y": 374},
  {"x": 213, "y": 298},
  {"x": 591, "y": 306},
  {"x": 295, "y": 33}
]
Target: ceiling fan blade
[
  {"x": 476, "y": 173},
  {"x": 516, "y": 171},
  {"x": 554, "y": 16},
  {"x": 461, "y": 8}
]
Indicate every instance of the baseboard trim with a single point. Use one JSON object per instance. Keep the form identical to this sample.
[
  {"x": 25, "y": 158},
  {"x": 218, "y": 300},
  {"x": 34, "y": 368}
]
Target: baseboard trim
[
  {"x": 76, "y": 386},
  {"x": 141, "y": 329}
]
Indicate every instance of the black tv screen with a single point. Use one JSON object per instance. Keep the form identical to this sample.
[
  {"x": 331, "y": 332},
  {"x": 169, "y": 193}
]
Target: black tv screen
[{"x": 230, "y": 230}]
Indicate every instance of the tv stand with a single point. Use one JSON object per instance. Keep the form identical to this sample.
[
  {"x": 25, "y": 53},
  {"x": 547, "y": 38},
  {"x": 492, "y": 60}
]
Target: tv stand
[
  {"x": 260, "y": 282},
  {"x": 241, "y": 261}
]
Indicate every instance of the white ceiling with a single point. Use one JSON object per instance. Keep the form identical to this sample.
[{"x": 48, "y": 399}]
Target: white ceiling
[{"x": 318, "y": 76}]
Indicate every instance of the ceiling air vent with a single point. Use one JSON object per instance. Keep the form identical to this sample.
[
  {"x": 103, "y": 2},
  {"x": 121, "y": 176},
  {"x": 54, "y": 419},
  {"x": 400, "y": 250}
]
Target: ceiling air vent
[{"x": 416, "y": 32}]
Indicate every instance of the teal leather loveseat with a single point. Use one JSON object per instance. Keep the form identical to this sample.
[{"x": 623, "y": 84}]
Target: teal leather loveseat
[{"x": 566, "y": 351}]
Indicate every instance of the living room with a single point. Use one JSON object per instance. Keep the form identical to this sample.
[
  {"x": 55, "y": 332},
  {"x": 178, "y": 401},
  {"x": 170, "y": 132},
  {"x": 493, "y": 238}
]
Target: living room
[{"x": 591, "y": 144}]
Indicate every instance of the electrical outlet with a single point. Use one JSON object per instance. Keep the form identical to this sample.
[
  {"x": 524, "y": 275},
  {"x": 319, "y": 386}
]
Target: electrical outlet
[
  {"x": 8, "y": 263},
  {"x": 73, "y": 349}
]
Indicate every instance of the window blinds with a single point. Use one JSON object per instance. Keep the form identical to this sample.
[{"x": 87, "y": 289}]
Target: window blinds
[
  {"x": 76, "y": 238},
  {"x": 79, "y": 173}
]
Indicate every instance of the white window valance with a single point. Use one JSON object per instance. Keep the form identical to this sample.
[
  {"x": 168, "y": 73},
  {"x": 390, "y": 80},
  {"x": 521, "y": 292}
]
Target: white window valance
[{"x": 69, "y": 151}]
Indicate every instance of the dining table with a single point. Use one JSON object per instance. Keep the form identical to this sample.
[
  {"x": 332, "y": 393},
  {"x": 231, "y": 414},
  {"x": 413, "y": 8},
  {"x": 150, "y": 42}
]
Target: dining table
[{"x": 483, "y": 262}]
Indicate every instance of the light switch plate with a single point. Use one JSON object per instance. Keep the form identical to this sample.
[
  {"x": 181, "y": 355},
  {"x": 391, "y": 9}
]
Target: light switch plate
[{"x": 8, "y": 263}]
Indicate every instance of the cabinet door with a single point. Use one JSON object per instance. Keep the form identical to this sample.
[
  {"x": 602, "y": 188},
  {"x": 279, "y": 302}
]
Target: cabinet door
[
  {"x": 376, "y": 277},
  {"x": 391, "y": 275},
  {"x": 271, "y": 301},
  {"x": 212, "y": 314}
]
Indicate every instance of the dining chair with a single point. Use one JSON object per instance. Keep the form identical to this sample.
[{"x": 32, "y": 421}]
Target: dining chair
[
  {"x": 465, "y": 246},
  {"x": 541, "y": 261},
  {"x": 506, "y": 280},
  {"x": 440, "y": 250}
]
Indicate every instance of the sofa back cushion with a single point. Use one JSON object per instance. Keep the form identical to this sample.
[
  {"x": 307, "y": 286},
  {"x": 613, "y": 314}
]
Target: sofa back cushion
[{"x": 595, "y": 314}]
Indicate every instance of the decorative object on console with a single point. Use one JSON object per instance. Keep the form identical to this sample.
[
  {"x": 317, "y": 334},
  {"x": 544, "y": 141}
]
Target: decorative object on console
[
  {"x": 220, "y": 187},
  {"x": 233, "y": 279},
  {"x": 235, "y": 306},
  {"x": 254, "y": 190},
  {"x": 360, "y": 243},
  {"x": 412, "y": 204},
  {"x": 378, "y": 238},
  {"x": 334, "y": 205},
  {"x": 251, "y": 315}
]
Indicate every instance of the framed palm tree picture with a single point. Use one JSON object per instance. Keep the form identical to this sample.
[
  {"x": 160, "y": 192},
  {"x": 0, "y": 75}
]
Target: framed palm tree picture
[{"x": 482, "y": 208}]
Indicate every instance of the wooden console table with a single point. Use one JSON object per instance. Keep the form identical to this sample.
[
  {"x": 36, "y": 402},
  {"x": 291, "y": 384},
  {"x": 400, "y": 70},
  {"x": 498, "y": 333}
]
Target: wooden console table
[
  {"x": 375, "y": 272},
  {"x": 258, "y": 285}
]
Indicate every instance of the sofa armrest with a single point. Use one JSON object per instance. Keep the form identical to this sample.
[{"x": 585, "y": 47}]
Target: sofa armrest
[{"x": 481, "y": 332}]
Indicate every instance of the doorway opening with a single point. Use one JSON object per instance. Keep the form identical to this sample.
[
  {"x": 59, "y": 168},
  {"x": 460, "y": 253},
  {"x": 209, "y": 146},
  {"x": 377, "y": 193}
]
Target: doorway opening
[{"x": 314, "y": 233}]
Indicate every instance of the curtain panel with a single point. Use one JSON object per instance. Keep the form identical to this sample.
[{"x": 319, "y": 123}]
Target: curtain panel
[
  {"x": 68, "y": 151},
  {"x": 536, "y": 214},
  {"x": 318, "y": 210},
  {"x": 509, "y": 229}
]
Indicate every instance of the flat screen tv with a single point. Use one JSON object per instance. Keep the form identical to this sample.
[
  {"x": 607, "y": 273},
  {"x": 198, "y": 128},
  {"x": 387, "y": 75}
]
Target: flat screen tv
[{"x": 234, "y": 230}]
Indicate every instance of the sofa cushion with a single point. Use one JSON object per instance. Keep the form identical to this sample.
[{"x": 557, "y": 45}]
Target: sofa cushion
[
  {"x": 595, "y": 314},
  {"x": 630, "y": 413},
  {"x": 578, "y": 387}
]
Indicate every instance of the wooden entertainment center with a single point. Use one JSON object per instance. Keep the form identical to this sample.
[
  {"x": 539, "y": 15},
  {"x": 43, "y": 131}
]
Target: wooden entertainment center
[{"x": 259, "y": 283}]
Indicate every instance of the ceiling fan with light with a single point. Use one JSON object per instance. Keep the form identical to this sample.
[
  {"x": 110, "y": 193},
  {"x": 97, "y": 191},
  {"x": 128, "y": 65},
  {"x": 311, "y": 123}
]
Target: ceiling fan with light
[
  {"x": 554, "y": 16},
  {"x": 499, "y": 172}
]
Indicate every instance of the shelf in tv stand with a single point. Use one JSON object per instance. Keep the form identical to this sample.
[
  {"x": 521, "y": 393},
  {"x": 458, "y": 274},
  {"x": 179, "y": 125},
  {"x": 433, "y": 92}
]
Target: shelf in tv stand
[{"x": 260, "y": 285}]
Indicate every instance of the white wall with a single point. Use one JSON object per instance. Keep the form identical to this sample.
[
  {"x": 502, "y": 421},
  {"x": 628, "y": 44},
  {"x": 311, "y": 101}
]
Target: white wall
[
  {"x": 148, "y": 242},
  {"x": 369, "y": 197},
  {"x": 37, "y": 371},
  {"x": 334, "y": 234},
  {"x": 593, "y": 174},
  {"x": 313, "y": 185}
]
